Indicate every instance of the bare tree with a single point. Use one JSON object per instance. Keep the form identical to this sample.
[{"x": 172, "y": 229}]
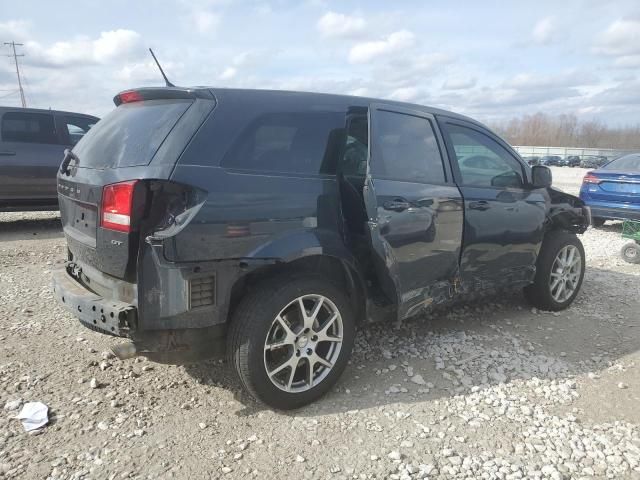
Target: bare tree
[{"x": 567, "y": 131}]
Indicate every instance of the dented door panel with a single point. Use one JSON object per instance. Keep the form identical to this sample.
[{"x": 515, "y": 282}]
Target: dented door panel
[
  {"x": 416, "y": 232},
  {"x": 502, "y": 236}
]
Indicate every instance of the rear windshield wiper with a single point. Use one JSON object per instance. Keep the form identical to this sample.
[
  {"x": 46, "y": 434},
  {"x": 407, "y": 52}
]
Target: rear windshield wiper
[{"x": 68, "y": 156}]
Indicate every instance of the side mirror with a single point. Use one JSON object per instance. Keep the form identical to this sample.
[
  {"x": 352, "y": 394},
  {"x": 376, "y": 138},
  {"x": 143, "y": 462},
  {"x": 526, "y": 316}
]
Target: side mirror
[
  {"x": 540, "y": 176},
  {"x": 506, "y": 180}
]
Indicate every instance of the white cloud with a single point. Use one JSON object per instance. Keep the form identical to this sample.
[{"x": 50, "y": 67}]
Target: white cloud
[
  {"x": 109, "y": 46},
  {"x": 14, "y": 30},
  {"x": 405, "y": 94},
  {"x": 244, "y": 62},
  {"x": 545, "y": 31},
  {"x": 204, "y": 21},
  {"x": 621, "y": 38},
  {"x": 359, "y": 92},
  {"x": 627, "y": 61},
  {"x": 112, "y": 44},
  {"x": 570, "y": 78},
  {"x": 338, "y": 25},
  {"x": 228, "y": 73},
  {"x": 366, "y": 51},
  {"x": 427, "y": 63},
  {"x": 461, "y": 83},
  {"x": 146, "y": 73}
]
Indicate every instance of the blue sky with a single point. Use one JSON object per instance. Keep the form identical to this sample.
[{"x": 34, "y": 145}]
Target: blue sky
[{"x": 491, "y": 60}]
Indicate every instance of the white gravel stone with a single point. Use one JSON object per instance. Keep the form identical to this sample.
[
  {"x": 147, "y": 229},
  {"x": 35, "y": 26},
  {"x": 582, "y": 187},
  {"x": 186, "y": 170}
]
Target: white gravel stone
[
  {"x": 395, "y": 455},
  {"x": 12, "y": 405}
]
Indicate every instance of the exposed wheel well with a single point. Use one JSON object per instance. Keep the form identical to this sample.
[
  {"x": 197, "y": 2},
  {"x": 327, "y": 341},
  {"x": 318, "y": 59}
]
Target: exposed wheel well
[{"x": 336, "y": 270}]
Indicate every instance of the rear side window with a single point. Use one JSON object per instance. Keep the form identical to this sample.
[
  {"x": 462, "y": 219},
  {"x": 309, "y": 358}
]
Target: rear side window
[
  {"x": 298, "y": 142},
  {"x": 130, "y": 135},
  {"x": 407, "y": 149},
  {"x": 28, "y": 128},
  {"x": 76, "y": 127}
]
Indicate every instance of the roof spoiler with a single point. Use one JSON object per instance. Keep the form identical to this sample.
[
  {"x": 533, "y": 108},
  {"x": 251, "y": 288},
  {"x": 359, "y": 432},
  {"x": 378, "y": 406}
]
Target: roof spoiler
[{"x": 161, "y": 93}]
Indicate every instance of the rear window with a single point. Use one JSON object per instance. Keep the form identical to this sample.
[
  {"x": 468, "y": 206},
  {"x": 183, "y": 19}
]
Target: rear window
[
  {"x": 298, "y": 142},
  {"x": 130, "y": 135},
  {"x": 630, "y": 163},
  {"x": 28, "y": 128}
]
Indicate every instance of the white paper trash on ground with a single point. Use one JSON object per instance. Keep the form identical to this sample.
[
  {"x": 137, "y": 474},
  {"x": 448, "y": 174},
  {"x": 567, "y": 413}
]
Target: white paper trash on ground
[{"x": 33, "y": 415}]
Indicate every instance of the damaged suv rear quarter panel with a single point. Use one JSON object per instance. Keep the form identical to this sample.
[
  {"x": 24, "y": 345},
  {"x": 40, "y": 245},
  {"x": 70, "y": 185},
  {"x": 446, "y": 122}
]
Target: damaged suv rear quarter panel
[{"x": 251, "y": 219}]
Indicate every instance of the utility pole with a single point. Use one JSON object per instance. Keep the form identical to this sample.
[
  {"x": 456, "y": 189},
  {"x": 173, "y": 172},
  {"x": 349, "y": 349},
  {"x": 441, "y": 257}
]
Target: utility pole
[{"x": 15, "y": 59}]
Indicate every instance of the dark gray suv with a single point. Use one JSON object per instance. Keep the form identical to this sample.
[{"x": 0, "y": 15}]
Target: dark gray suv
[
  {"x": 270, "y": 225},
  {"x": 31, "y": 146}
]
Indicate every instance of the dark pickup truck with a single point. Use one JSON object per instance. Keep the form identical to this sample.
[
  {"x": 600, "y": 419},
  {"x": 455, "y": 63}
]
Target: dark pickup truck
[
  {"x": 270, "y": 225},
  {"x": 31, "y": 144}
]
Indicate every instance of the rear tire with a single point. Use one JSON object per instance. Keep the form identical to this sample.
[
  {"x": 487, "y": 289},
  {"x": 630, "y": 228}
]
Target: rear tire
[
  {"x": 630, "y": 252},
  {"x": 559, "y": 272},
  {"x": 259, "y": 343}
]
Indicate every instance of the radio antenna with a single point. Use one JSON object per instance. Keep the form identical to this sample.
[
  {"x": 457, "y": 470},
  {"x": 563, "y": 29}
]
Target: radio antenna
[{"x": 166, "y": 80}]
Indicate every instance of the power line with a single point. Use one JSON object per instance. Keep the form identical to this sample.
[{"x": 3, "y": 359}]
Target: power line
[
  {"x": 15, "y": 59},
  {"x": 8, "y": 94}
]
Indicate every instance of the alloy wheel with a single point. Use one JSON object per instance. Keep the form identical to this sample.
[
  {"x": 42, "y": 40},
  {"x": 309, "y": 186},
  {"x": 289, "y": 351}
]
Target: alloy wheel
[
  {"x": 303, "y": 343},
  {"x": 565, "y": 273}
]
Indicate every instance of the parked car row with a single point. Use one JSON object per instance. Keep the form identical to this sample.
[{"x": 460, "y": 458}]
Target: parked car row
[
  {"x": 595, "y": 161},
  {"x": 591, "y": 161}
]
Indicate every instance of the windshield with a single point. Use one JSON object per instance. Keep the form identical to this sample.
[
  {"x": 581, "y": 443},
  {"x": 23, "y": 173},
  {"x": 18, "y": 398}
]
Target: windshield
[
  {"x": 628, "y": 162},
  {"x": 130, "y": 134}
]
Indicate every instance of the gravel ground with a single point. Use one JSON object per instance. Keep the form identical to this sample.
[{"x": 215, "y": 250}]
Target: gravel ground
[{"x": 491, "y": 390}]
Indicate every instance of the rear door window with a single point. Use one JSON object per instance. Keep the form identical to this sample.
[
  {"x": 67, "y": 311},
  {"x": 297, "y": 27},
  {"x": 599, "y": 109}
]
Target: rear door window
[
  {"x": 407, "y": 149},
  {"x": 296, "y": 142},
  {"x": 28, "y": 128},
  {"x": 129, "y": 135},
  {"x": 353, "y": 160}
]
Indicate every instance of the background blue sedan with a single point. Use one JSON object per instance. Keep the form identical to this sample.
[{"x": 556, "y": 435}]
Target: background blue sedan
[{"x": 613, "y": 190}]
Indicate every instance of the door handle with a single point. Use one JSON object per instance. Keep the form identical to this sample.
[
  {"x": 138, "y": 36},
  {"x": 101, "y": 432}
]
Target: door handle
[
  {"x": 7, "y": 154},
  {"x": 397, "y": 205},
  {"x": 479, "y": 205}
]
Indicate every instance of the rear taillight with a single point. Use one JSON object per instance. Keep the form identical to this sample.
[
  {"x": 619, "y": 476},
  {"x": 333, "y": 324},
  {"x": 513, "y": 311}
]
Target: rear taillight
[
  {"x": 117, "y": 205},
  {"x": 590, "y": 178}
]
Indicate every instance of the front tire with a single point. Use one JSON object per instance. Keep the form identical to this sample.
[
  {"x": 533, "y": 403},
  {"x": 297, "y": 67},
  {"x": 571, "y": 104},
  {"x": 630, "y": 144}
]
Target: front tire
[
  {"x": 290, "y": 339},
  {"x": 559, "y": 272}
]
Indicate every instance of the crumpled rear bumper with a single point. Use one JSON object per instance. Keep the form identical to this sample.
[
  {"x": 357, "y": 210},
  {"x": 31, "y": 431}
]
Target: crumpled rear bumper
[
  {"x": 120, "y": 319},
  {"x": 97, "y": 313}
]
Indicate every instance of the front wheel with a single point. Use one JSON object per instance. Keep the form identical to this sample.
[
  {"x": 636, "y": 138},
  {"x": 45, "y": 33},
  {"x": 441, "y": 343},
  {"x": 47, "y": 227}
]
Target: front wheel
[
  {"x": 290, "y": 340},
  {"x": 559, "y": 272}
]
